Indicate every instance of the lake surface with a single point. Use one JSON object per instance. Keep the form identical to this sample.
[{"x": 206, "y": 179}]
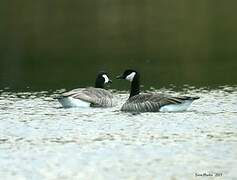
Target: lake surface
[
  {"x": 41, "y": 140},
  {"x": 179, "y": 47}
]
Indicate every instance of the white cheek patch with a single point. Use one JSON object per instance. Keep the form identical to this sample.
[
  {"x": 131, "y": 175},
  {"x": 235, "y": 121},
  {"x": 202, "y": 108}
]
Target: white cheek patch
[
  {"x": 106, "y": 78},
  {"x": 130, "y": 76}
]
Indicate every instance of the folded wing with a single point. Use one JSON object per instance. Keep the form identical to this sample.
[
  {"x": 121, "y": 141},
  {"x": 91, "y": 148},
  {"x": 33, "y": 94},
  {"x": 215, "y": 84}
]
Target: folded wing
[
  {"x": 95, "y": 96},
  {"x": 152, "y": 102}
]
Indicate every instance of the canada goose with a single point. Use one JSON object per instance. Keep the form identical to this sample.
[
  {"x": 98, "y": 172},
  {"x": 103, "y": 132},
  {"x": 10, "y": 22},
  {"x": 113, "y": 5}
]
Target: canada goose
[
  {"x": 89, "y": 97},
  {"x": 151, "y": 102}
]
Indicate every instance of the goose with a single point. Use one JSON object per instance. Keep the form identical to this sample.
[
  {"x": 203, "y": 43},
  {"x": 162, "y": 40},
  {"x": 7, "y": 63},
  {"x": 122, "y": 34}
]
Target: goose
[
  {"x": 89, "y": 97},
  {"x": 151, "y": 102}
]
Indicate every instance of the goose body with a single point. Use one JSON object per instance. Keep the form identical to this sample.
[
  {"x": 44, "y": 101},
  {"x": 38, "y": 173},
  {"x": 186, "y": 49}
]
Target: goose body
[
  {"x": 157, "y": 102},
  {"x": 151, "y": 102},
  {"x": 89, "y": 97}
]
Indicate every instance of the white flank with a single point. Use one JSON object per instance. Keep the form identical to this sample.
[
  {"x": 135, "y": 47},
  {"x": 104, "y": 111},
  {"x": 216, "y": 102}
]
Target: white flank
[
  {"x": 71, "y": 102},
  {"x": 130, "y": 76},
  {"x": 106, "y": 78},
  {"x": 176, "y": 107}
]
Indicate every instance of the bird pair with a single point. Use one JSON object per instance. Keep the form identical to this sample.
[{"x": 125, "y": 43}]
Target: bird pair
[{"x": 147, "y": 102}]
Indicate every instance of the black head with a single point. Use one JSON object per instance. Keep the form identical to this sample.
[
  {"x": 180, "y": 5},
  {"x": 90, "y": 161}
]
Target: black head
[
  {"x": 134, "y": 77},
  {"x": 102, "y": 79},
  {"x": 128, "y": 74}
]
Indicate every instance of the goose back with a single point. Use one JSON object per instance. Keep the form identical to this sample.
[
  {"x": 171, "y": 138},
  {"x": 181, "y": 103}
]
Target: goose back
[
  {"x": 152, "y": 102},
  {"x": 97, "y": 97}
]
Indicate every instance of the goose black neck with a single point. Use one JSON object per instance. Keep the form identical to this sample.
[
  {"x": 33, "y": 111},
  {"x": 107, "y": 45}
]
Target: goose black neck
[
  {"x": 135, "y": 86},
  {"x": 99, "y": 83}
]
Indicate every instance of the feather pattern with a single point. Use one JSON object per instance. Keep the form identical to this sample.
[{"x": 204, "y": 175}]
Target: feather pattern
[
  {"x": 97, "y": 97},
  {"x": 152, "y": 102}
]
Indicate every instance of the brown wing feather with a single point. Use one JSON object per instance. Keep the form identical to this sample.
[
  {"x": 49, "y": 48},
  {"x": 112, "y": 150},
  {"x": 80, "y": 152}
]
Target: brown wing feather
[
  {"x": 95, "y": 96},
  {"x": 152, "y": 102}
]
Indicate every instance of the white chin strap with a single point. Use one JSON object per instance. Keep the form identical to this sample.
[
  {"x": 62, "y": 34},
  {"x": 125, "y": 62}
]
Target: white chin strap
[
  {"x": 106, "y": 78},
  {"x": 130, "y": 76}
]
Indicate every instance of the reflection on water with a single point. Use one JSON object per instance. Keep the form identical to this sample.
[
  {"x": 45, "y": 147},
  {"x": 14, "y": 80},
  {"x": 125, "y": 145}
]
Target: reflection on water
[
  {"x": 57, "y": 143},
  {"x": 62, "y": 44}
]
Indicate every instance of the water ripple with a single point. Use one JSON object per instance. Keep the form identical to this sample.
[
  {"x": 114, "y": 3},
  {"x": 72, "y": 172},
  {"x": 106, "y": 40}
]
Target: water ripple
[{"x": 54, "y": 142}]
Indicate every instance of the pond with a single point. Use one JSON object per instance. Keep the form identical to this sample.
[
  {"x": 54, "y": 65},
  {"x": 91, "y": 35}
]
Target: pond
[
  {"x": 60, "y": 44},
  {"x": 41, "y": 140},
  {"x": 179, "y": 47}
]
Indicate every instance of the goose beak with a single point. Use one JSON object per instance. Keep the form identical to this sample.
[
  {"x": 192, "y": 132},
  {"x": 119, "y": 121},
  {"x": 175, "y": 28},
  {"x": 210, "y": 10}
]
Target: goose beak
[
  {"x": 119, "y": 77},
  {"x": 110, "y": 81}
]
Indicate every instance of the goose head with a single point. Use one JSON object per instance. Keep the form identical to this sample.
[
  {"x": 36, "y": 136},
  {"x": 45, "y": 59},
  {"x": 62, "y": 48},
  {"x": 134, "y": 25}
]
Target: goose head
[
  {"x": 102, "y": 79},
  {"x": 128, "y": 75}
]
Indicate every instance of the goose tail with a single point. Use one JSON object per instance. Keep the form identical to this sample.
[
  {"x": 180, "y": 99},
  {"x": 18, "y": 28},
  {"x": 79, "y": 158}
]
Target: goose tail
[
  {"x": 194, "y": 98},
  {"x": 58, "y": 97}
]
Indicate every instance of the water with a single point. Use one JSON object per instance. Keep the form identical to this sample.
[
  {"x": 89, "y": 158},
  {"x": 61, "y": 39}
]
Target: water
[
  {"x": 62, "y": 44},
  {"x": 41, "y": 140},
  {"x": 50, "y": 45}
]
